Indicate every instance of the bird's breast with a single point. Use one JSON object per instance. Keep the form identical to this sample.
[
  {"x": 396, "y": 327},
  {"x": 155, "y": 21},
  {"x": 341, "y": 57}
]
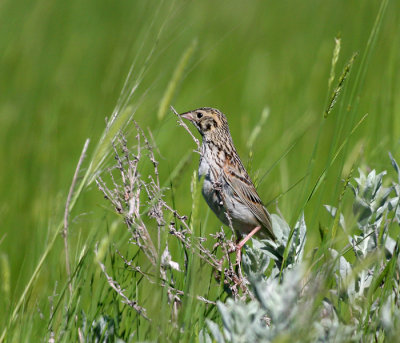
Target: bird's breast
[
  {"x": 210, "y": 190},
  {"x": 204, "y": 168}
]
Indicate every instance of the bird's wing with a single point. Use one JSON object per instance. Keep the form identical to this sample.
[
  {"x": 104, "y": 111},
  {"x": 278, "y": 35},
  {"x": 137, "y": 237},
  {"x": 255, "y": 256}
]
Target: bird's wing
[{"x": 244, "y": 188}]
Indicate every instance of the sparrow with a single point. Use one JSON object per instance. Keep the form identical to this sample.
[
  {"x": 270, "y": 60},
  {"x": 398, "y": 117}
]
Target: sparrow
[{"x": 227, "y": 187}]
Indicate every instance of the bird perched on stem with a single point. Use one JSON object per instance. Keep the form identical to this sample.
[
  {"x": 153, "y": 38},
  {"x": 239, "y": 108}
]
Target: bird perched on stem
[{"x": 227, "y": 188}]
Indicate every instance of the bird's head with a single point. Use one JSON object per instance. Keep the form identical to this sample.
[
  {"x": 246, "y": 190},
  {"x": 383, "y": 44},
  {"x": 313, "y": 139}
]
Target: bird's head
[{"x": 208, "y": 121}]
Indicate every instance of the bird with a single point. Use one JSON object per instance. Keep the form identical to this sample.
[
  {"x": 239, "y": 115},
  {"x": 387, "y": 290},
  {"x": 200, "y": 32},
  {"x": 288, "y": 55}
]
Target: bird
[{"x": 227, "y": 187}]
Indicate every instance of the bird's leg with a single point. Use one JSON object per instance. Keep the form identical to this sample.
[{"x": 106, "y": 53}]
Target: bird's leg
[
  {"x": 239, "y": 247},
  {"x": 240, "y": 244}
]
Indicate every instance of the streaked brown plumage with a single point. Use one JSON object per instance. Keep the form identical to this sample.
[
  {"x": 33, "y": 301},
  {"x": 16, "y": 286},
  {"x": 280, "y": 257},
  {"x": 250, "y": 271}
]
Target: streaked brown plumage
[{"x": 227, "y": 188}]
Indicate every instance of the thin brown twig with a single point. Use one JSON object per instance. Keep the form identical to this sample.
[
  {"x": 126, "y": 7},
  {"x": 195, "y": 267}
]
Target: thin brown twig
[
  {"x": 116, "y": 287},
  {"x": 163, "y": 283},
  {"x": 182, "y": 123},
  {"x": 66, "y": 213},
  {"x": 201, "y": 252}
]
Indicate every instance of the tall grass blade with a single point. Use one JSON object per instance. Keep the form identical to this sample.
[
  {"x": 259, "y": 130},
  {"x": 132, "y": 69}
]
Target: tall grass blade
[
  {"x": 322, "y": 176},
  {"x": 176, "y": 77},
  {"x": 335, "y": 57},
  {"x": 257, "y": 129},
  {"x": 339, "y": 86}
]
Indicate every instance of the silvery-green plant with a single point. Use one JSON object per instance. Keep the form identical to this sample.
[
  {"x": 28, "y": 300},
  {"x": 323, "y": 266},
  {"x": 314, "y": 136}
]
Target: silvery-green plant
[
  {"x": 288, "y": 247},
  {"x": 351, "y": 295},
  {"x": 251, "y": 322},
  {"x": 371, "y": 207}
]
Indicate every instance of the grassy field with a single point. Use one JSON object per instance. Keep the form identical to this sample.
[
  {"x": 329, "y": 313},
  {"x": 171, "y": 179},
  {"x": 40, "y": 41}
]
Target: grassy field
[{"x": 318, "y": 80}]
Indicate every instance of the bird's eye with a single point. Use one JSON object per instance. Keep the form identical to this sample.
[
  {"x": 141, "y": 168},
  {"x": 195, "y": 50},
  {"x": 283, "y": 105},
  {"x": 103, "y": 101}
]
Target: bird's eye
[{"x": 199, "y": 115}]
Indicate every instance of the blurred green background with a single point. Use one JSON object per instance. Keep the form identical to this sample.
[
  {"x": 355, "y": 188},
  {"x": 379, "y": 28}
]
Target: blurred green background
[{"x": 63, "y": 65}]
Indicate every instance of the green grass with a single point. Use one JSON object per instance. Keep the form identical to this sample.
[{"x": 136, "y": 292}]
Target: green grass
[{"x": 63, "y": 66}]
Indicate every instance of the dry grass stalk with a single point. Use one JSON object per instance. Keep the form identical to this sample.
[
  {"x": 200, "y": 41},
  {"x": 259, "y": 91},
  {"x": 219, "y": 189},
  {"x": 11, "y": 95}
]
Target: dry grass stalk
[{"x": 139, "y": 199}]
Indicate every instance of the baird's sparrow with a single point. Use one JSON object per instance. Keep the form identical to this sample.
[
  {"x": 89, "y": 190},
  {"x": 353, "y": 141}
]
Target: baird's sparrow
[{"x": 227, "y": 188}]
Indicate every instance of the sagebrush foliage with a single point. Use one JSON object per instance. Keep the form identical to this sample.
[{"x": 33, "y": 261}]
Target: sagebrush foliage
[{"x": 340, "y": 296}]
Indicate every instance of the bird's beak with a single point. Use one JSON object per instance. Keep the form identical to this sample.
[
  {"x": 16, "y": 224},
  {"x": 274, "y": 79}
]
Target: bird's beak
[{"x": 187, "y": 115}]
